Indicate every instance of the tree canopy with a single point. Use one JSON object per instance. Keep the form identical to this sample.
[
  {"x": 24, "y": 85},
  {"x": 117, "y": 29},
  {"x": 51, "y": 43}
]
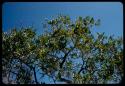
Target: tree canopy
[{"x": 67, "y": 52}]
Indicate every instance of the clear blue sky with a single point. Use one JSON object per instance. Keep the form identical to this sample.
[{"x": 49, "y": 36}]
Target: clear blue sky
[
  {"x": 28, "y": 14},
  {"x": 34, "y": 13}
]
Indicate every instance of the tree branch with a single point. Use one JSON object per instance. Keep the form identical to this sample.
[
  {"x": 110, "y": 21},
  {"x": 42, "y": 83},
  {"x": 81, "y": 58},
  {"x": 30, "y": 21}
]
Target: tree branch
[
  {"x": 31, "y": 69},
  {"x": 65, "y": 80},
  {"x": 54, "y": 56},
  {"x": 80, "y": 70},
  {"x": 35, "y": 76},
  {"x": 64, "y": 58},
  {"x": 82, "y": 64}
]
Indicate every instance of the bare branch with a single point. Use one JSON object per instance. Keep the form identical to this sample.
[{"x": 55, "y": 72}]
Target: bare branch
[
  {"x": 64, "y": 58},
  {"x": 35, "y": 76}
]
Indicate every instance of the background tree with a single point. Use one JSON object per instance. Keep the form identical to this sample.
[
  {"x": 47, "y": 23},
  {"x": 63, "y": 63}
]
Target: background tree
[{"x": 67, "y": 52}]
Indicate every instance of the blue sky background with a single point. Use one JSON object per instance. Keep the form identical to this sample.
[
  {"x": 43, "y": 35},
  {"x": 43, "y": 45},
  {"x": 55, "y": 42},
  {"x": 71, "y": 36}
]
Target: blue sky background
[
  {"x": 34, "y": 13},
  {"x": 28, "y": 14}
]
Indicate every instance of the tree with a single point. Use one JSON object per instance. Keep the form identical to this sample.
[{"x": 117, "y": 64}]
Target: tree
[{"x": 67, "y": 52}]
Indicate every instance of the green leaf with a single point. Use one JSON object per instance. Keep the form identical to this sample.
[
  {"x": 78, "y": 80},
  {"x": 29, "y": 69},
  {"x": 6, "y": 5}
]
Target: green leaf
[
  {"x": 69, "y": 64},
  {"x": 98, "y": 22},
  {"x": 80, "y": 18},
  {"x": 58, "y": 76},
  {"x": 74, "y": 55},
  {"x": 88, "y": 18},
  {"x": 92, "y": 21}
]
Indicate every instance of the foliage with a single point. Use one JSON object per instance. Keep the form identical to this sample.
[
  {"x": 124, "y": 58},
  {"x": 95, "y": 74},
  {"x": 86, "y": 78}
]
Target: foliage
[{"x": 68, "y": 52}]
